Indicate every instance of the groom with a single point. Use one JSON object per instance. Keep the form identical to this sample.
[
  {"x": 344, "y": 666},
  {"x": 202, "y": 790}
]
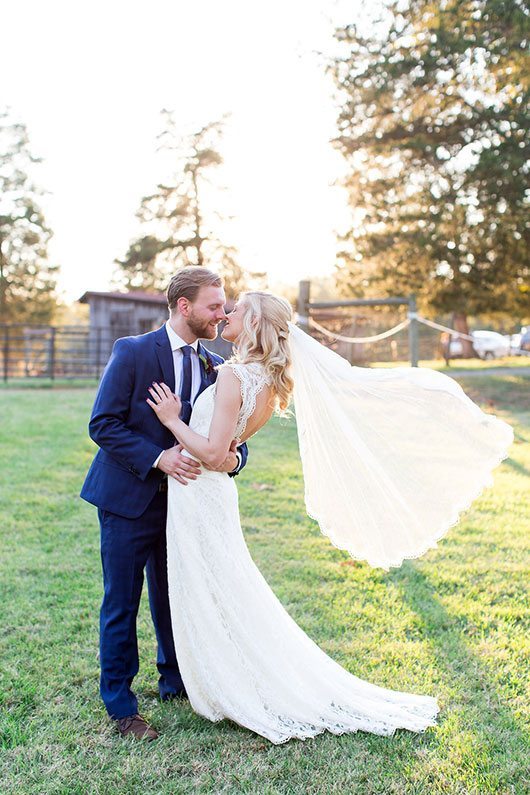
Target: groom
[{"x": 127, "y": 481}]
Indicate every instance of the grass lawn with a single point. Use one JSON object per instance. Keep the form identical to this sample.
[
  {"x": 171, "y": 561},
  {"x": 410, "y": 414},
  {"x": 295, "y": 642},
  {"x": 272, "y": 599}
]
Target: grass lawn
[
  {"x": 458, "y": 365},
  {"x": 451, "y": 624}
]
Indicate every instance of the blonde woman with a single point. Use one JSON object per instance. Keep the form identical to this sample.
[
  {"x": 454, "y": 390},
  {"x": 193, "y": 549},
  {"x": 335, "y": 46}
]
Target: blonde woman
[{"x": 241, "y": 655}]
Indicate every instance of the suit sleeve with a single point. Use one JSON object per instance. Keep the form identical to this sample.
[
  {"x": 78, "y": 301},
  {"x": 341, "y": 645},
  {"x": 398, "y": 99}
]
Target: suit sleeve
[
  {"x": 107, "y": 426},
  {"x": 243, "y": 452}
]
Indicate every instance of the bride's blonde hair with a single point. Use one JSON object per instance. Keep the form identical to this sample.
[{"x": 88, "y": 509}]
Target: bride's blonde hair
[{"x": 265, "y": 339}]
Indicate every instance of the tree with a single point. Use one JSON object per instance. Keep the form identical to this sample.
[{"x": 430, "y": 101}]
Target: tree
[
  {"x": 434, "y": 128},
  {"x": 27, "y": 279},
  {"x": 180, "y": 224}
]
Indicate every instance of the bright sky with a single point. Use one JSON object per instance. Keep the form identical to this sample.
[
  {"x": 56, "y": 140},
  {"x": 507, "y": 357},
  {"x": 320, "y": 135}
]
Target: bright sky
[{"x": 90, "y": 79}]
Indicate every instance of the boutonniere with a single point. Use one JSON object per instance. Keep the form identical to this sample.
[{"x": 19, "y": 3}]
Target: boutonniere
[{"x": 207, "y": 363}]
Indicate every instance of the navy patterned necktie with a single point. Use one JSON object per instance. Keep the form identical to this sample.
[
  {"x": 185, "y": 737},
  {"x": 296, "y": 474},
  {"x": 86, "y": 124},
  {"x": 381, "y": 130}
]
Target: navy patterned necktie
[{"x": 185, "y": 393}]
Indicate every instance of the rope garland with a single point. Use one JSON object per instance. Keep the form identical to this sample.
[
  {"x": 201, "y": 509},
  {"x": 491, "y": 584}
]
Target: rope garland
[
  {"x": 389, "y": 332},
  {"x": 454, "y": 333},
  {"x": 376, "y": 337}
]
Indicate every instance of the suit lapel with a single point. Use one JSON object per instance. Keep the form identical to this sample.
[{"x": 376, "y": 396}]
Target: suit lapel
[
  {"x": 165, "y": 357},
  {"x": 207, "y": 378}
]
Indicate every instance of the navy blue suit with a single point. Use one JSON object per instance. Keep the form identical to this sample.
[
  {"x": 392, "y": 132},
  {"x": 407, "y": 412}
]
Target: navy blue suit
[{"x": 132, "y": 500}]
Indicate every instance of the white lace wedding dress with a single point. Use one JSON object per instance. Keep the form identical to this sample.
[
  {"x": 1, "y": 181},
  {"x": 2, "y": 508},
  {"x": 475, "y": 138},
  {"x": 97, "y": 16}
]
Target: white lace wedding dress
[{"x": 240, "y": 654}]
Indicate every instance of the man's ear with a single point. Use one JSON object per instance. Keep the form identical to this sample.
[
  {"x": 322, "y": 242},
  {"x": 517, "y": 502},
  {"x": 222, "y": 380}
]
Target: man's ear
[{"x": 183, "y": 306}]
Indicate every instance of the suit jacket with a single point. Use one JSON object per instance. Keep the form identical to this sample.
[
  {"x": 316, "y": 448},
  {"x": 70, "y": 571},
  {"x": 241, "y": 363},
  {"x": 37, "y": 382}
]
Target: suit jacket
[{"x": 128, "y": 432}]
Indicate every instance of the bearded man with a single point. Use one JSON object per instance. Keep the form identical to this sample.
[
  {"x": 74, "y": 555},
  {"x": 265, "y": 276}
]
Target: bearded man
[{"x": 127, "y": 481}]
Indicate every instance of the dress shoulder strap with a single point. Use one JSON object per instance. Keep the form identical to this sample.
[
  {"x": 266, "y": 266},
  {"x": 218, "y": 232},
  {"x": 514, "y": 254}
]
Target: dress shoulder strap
[{"x": 252, "y": 379}]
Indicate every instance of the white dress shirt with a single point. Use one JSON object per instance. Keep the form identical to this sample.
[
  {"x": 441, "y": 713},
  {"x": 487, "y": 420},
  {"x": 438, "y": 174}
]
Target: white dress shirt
[{"x": 177, "y": 343}]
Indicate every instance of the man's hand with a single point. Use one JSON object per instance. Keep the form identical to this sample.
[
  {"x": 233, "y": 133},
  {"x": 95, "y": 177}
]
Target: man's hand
[
  {"x": 179, "y": 466},
  {"x": 230, "y": 462}
]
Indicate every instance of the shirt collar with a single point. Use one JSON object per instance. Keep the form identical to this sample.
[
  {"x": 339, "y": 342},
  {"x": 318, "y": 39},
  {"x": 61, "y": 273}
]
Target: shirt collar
[{"x": 177, "y": 342}]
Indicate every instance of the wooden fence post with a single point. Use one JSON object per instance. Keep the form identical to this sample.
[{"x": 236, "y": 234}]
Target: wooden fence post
[
  {"x": 6, "y": 353},
  {"x": 98, "y": 351},
  {"x": 413, "y": 332},
  {"x": 51, "y": 354},
  {"x": 304, "y": 292}
]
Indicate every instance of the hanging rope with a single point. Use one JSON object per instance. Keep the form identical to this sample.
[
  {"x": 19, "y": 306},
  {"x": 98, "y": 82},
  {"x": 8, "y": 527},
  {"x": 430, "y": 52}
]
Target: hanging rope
[
  {"x": 451, "y": 331},
  {"x": 374, "y": 338},
  {"x": 389, "y": 332}
]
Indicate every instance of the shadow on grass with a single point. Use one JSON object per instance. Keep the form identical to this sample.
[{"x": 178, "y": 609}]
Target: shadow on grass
[
  {"x": 483, "y": 710},
  {"x": 518, "y": 467}
]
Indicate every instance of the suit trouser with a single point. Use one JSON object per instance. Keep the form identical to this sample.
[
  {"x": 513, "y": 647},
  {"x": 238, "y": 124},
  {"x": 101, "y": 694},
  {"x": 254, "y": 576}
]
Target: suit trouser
[{"x": 127, "y": 547}]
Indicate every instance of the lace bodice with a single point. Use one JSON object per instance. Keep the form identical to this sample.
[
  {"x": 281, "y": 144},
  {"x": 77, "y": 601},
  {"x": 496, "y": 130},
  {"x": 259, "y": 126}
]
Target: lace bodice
[{"x": 252, "y": 378}]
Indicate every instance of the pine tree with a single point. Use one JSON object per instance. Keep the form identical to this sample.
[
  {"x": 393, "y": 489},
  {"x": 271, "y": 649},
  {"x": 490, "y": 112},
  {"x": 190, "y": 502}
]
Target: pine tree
[
  {"x": 27, "y": 279},
  {"x": 180, "y": 225},
  {"x": 434, "y": 126}
]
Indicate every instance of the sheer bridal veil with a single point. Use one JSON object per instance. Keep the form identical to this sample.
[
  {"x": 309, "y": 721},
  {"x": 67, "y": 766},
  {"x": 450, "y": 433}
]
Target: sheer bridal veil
[{"x": 390, "y": 456}]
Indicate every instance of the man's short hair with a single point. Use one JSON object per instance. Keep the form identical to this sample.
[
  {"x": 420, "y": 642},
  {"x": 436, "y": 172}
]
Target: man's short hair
[{"x": 187, "y": 282}]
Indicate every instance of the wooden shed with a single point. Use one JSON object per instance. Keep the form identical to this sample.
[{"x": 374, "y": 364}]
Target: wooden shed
[{"x": 115, "y": 314}]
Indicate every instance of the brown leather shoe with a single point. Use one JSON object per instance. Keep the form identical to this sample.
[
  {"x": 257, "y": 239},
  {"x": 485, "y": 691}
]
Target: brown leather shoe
[{"x": 137, "y": 726}]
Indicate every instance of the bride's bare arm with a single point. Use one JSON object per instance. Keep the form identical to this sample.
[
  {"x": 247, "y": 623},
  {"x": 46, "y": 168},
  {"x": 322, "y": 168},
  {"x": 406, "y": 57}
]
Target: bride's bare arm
[{"x": 214, "y": 449}]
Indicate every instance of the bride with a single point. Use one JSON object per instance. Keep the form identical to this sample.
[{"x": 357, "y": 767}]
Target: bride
[{"x": 390, "y": 458}]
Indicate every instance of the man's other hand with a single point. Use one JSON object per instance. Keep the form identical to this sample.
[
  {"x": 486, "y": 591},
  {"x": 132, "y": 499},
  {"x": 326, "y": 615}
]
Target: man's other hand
[{"x": 179, "y": 466}]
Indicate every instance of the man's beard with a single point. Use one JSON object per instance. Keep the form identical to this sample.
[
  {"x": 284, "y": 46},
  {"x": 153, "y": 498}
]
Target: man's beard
[{"x": 202, "y": 328}]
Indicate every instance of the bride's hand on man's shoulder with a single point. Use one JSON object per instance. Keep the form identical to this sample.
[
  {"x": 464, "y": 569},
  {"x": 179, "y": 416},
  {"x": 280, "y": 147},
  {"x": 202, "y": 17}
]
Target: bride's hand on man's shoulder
[{"x": 164, "y": 403}]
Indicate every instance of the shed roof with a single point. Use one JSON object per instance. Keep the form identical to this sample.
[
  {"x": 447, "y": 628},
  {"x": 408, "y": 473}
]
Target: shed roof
[{"x": 135, "y": 296}]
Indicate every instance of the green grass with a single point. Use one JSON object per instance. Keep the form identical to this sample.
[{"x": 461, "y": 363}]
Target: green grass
[
  {"x": 48, "y": 383},
  {"x": 457, "y": 365},
  {"x": 451, "y": 624},
  {"x": 435, "y": 364}
]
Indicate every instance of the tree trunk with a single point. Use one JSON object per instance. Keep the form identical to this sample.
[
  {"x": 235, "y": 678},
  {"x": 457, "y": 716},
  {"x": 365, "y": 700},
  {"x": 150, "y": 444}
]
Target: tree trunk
[
  {"x": 460, "y": 324},
  {"x": 3, "y": 278},
  {"x": 197, "y": 217}
]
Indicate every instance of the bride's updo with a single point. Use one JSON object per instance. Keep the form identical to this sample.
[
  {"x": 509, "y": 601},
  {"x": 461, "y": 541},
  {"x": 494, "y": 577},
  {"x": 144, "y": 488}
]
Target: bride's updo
[{"x": 265, "y": 339}]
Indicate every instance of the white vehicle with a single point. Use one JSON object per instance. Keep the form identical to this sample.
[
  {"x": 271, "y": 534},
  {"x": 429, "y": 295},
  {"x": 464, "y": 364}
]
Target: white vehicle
[
  {"x": 515, "y": 344},
  {"x": 488, "y": 345}
]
